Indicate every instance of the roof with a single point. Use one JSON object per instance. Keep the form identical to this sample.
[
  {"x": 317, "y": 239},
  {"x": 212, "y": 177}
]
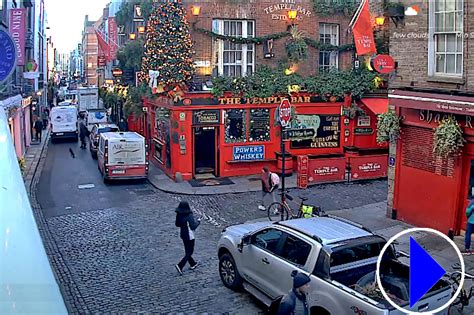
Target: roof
[
  {"x": 122, "y": 135},
  {"x": 329, "y": 230},
  {"x": 376, "y": 105},
  {"x": 106, "y": 125}
]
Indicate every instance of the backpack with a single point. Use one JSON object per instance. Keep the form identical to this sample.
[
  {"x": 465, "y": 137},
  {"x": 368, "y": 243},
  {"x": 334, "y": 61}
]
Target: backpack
[
  {"x": 306, "y": 211},
  {"x": 274, "y": 179}
]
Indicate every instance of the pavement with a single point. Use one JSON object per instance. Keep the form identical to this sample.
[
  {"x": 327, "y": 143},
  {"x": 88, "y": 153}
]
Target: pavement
[
  {"x": 113, "y": 247},
  {"x": 32, "y": 158},
  {"x": 242, "y": 184}
]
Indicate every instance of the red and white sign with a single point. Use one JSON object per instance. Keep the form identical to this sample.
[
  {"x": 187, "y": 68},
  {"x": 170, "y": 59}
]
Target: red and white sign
[
  {"x": 285, "y": 112},
  {"x": 303, "y": 165},
  {"x": 363, "y": 33},
  {"x": 113, "y": 38},
  {"x": 17, "y": 29},
  {"x": 326, "y": 170},
  {"x": 384, "y": 64},
  {"x": 369, "y": 167}
]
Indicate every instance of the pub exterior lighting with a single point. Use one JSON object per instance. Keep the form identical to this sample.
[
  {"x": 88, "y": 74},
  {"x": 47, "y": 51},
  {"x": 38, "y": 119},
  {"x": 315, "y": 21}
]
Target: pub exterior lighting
[
  {"x": 380, "y": 20},
  {"x": 132, "y": 36},
  {"x": 196, "y": 10},
  {"x": 292, "y": 15}
]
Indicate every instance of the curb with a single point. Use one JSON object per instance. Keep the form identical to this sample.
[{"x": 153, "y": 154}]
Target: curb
[{"x": 72, "y": 297}]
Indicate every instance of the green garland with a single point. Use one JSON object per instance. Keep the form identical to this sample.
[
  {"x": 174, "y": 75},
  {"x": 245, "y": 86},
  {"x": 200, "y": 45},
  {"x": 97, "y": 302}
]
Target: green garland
[
  {"x": 266, "y": 82},
  {"x": 260, "y": 40},
  {"x": 330, "y": 7}
]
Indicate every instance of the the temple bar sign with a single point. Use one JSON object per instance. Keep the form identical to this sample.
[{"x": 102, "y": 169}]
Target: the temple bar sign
[
  {"x": 260, "y": 100},
  {"x": 279, "y": 11}
]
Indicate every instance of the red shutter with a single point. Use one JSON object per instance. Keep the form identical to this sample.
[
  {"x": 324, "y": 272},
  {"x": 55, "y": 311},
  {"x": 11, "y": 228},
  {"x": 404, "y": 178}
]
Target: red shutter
[{"x": 417, "y": 152}]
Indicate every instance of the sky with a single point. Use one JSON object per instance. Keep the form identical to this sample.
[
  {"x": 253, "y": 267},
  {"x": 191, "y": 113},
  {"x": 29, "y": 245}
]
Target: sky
[{"x": 66, "y": 20}]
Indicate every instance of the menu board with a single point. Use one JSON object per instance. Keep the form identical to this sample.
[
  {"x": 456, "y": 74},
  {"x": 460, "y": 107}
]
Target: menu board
[
  {"x": 259, "y": 125},
  {"x": 327, "y": 131}
]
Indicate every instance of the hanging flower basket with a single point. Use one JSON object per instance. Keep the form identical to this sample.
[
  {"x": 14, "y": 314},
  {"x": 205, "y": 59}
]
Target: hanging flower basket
[
  {"x": 388, "y": 127},
  {"x": 448, "y": 138},
  {"x": 353, "y": 111}
]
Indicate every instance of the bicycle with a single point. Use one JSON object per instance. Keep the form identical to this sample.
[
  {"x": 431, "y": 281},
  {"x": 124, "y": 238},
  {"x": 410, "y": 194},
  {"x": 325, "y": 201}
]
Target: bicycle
[
  {"x": 281, "y": 211},
  {"x": 464, "y": 296}
]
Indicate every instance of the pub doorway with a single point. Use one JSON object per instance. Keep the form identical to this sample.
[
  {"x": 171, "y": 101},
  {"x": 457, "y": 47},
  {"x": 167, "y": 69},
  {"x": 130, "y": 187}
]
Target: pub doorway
[{"x": 205, "y": 152}]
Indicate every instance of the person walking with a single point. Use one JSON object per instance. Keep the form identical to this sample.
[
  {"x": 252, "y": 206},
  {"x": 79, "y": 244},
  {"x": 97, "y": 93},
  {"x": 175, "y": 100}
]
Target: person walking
[
  {"x": 270, "y": 182},
  {"x": 295, "y": 302},
  {"x": 38, "y": 129},
  {"x": 187, "y": 225},
  {"x": 83, "y": 133},
  {"x": 469, "y": 228}
]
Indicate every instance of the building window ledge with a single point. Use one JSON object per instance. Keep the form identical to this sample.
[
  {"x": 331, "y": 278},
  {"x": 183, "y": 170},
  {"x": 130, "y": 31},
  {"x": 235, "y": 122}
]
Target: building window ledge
[{"x": 446, "y": 79}]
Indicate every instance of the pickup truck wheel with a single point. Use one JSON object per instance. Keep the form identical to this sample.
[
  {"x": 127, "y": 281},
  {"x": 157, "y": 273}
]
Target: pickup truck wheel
[{"x": 228, "y": 271}]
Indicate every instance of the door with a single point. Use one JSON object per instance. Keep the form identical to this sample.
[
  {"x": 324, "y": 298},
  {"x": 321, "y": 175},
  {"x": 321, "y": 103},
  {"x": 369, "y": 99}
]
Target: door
[
  {"x": 470, "y": 191},
  {"x": 258, "y": 258},
  {"x": 205, "y": 150}
]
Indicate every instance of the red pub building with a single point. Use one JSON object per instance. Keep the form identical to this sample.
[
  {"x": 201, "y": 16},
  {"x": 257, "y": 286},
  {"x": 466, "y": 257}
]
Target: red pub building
[
  {"x": 433, "y": 81},
  {"x": 200, "y": 134}
]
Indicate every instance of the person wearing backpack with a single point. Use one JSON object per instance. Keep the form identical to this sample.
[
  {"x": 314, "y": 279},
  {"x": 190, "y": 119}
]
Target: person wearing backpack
[
  {"x": 270, "y": 183},
  {"x": 469, "y": 228}
]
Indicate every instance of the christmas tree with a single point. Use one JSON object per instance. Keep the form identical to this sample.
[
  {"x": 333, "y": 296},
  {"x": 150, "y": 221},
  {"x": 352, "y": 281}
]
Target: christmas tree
[{"x": 167, "y": 62}]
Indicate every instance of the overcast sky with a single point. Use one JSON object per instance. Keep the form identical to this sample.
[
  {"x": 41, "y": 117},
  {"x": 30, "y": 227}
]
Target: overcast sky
[{"x": 66, "y": 20}]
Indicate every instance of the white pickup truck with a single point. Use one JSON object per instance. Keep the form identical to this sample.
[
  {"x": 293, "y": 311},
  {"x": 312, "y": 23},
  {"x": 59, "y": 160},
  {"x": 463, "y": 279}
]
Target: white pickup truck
[{"x": 339, "y": 256}]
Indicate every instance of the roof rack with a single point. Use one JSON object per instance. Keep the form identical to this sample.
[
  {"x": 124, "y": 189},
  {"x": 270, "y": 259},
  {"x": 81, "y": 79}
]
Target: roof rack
[
  {"x": 360, "y": 226},
  {"x": 314, "y": 237}
]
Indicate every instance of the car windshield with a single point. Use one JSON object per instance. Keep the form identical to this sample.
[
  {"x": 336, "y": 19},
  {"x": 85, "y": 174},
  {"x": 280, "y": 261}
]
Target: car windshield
[{"x": 108, "y": 129}]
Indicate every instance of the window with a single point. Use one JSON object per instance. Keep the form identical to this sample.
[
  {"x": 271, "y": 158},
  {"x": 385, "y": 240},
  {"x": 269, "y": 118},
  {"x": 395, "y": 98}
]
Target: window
[
  {"x": 259, "y": 125},
  {"x": 348, "y": 255},
  {"x": 267, "y": 239},
  {"x": 328, "y": 34},
  {"x": 295, "y": 250},
  {"x": 446, "y": 38},
  {"x": 235, "y": 125},
  {"x": 470, "y": 193},
  {"x": 234, "y": 59}
]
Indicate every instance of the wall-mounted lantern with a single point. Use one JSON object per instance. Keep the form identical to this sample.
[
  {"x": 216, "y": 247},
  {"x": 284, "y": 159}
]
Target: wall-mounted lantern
[
  {"x": 196, "y": 10},
  {"x": 132, "y": 36}
]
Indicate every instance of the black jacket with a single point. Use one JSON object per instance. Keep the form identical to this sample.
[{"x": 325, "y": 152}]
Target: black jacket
[
  {"x": 83, "y": 131},
  {"x": 288, "y": 304},
  {"x": 38, "y": 125},
  {"x": 185, "y": 220}
]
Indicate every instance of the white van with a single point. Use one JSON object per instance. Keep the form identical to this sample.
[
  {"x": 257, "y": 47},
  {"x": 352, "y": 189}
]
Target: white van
[
  {"x": 122, "y": 155},
  {"x": 64, "y": 122}
]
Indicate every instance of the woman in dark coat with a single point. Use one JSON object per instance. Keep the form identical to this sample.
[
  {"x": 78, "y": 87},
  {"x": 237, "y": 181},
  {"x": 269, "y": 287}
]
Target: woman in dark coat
[{"x": 187, "y": 224}]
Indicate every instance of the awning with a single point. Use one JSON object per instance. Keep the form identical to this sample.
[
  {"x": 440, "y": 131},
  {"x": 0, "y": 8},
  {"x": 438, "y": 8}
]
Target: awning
[{"x": 376, "y": 105}]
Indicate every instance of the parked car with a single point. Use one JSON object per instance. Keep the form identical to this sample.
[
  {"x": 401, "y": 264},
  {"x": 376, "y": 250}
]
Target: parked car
[
  {"x": 63, "y": 120},
  {"x": 122, "y": 155},
  {"x": 339, "y": 256},
  {"x": 97, "y": 129}
]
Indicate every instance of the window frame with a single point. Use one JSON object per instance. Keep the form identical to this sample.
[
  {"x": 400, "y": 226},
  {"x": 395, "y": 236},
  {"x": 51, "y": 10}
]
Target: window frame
[
  {"x": 218, "y": 46},
  {"x": 285, "y": 236},
  {"x": 432, "y": 42},
  {"x": 278, "y": 247},
  {"x": 247, "y": 126},
  {"x": 323, "y": 27}
]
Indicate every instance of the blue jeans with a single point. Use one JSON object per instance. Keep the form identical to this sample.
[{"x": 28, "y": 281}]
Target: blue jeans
[{"x": 467, "y": 239}]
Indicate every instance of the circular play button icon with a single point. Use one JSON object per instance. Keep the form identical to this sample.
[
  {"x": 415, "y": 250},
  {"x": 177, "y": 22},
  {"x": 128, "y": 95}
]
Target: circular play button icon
[{"x": 425, "y": 275}]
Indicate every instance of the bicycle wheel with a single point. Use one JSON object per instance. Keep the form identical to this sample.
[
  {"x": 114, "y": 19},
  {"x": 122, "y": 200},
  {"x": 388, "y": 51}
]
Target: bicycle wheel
[{"x": 277, "y": 212}]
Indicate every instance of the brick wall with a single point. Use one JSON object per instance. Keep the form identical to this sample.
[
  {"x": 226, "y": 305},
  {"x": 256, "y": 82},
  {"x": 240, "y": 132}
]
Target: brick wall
[
  {"x": 269, "y": 17},
  {"x": 412, "y": 53}
]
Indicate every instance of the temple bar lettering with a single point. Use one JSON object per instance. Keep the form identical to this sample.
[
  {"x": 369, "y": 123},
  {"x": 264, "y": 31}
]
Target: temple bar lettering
[{"x": 265, "y": 100}]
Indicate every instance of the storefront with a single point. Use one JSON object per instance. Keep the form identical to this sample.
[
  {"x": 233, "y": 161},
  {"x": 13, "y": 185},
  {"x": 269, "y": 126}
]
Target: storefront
[
  {"x": 201, "y": 136},
  {"x": 19, "y": 122},
  {"x": 431, "y": 191}
]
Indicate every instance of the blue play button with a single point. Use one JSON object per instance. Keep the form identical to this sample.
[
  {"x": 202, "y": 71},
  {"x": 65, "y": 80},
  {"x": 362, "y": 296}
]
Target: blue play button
[{"x": 425, "y": 272}]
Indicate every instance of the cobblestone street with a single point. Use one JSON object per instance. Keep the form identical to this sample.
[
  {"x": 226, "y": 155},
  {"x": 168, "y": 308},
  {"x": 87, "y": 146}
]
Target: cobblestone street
[{"x": 121, "y": 258}]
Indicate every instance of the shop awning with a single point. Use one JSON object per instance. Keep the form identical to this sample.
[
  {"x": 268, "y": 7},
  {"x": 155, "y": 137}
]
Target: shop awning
[{"x": 376, "y": 105}]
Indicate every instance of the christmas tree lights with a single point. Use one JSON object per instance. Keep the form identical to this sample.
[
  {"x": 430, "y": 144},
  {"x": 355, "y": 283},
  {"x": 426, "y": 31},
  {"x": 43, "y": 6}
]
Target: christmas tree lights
[{"x": 168, "y": 47}]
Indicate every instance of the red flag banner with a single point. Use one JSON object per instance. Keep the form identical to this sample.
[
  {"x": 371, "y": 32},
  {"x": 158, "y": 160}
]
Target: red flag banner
[
  {"x": 363, "y": 33},
  {"x": 103, "y": 45}
]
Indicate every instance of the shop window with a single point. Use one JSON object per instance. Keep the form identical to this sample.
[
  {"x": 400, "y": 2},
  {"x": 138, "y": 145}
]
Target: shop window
[
  {"x": 470, "y": 193},
  {"x": 234, "y": 59},
  {"x": 259, "y": 125},
  {"x": 235, "y": 126},
  {"x": 446, "y": 40},
  {"x": 328, "y": 34}
]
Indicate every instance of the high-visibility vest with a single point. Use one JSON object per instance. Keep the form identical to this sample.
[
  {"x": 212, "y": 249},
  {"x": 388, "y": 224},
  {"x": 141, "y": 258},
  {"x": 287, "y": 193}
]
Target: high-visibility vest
[{"x": 307, "y": 211}]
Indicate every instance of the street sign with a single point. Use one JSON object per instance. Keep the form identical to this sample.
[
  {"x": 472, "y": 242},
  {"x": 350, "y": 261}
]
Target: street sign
[
  {"x": 300, "y": 134},
  {"x": 8, "y": 53},
  {"x": 117, "y": 72},
  {"x": 285, "y": 112}
]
